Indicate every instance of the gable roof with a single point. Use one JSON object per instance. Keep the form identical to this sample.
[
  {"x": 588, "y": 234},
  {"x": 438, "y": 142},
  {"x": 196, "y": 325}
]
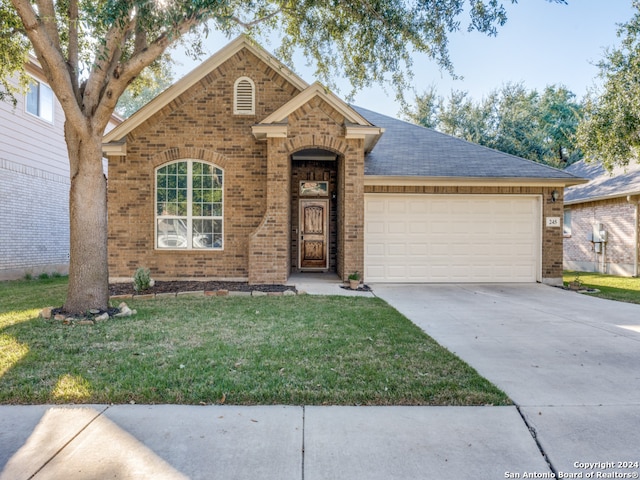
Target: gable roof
[
  {"x": 404, "y": 151},
  {"x": 409, "y": 150},
  {"x": 622, "y": 181},
  {"x": 193, "y": 77},
  {"x": 356, "y": 125}
]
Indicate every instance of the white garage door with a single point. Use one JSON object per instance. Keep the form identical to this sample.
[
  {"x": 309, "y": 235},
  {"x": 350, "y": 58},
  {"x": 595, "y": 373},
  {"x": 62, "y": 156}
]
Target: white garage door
[{"x": 452, "y": 238}]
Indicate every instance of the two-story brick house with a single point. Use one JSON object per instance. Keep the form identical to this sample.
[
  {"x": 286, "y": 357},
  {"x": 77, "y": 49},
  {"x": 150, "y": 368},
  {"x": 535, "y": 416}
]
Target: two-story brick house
[
  {"x": 34, "y": 182},
  {"x": 241, "y": 170}
]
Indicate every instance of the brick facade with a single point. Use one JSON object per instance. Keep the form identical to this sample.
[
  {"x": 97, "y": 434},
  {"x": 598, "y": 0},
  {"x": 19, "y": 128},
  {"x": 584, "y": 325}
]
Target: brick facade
[
  {"x": 261, "y": 179},
  {"x": 618, "y": 218},
  {"x": 200, "y": 125},
  {"x": 34, "y": 208},
  {"x": 258, "y": 193}
]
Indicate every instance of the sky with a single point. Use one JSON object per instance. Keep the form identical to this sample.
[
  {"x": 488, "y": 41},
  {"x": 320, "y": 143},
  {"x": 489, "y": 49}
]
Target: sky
[{"x": 543, "y": 43}]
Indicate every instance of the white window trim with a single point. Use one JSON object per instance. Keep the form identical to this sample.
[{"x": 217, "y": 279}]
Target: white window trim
[
  {"x": 566, "y": 226},
  {"x": 244, "y": 111},
  {"x": 53, "y": 102},
  {"x": 190, "y": 217}
]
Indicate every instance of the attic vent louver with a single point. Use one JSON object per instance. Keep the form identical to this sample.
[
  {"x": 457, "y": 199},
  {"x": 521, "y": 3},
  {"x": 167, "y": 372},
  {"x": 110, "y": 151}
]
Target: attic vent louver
[{"x": 244, "y": 97}]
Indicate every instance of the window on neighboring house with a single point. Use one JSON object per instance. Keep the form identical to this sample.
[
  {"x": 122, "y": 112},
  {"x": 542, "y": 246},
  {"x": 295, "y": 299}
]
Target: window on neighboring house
[
  {"x": 244, "y": 101},
  {"x": 189, "y": 206},
  {"x": 566, "y": 224},
  {"x": 39, "y": 100}
]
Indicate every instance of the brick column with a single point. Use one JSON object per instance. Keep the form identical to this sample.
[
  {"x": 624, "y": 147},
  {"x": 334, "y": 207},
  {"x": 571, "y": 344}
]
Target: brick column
[
  {"x": 269, "y": 244},
  {"x": 552, "y": 237},
  {"x": 351, "y": 210}
]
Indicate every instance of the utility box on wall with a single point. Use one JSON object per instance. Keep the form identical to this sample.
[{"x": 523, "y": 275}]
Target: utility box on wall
[{"x": 598, "y": 234}]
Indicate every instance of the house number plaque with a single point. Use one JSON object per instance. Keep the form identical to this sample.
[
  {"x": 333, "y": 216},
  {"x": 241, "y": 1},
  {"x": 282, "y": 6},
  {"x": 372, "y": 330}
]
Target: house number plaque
[{"x": 553, "y": 221}]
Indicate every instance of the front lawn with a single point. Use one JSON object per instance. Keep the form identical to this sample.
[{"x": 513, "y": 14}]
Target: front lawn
[
  {"x": 622, "y": 289},
  {"x": 309, "y": 350}
]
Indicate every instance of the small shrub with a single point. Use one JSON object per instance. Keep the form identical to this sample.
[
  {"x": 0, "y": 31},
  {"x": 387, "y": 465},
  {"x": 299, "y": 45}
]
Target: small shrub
[
  {"x": 354, "y": 276},
  {"x": 28, "y": 276},
  {"x": 43, "y": 276},
  {"x": 142, "y": 280}
]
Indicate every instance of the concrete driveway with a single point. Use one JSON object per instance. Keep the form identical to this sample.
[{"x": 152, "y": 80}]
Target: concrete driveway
[{"x": 570, "y": 362}]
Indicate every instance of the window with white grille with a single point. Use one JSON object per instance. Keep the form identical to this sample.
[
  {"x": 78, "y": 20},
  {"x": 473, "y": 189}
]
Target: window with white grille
[{"x": 244, "y": 97}]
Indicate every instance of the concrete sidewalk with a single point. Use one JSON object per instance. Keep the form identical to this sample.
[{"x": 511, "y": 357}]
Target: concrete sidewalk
[{"x": 273, "y": 442}]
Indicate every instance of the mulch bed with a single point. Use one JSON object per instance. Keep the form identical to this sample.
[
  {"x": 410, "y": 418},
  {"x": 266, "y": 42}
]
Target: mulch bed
[{"x": 194, "y": 286}]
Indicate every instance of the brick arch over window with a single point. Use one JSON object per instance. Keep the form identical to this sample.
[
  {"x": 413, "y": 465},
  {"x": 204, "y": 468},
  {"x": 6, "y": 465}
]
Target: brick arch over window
[
  {"x": 179, "y": 153},
  {"x": 325, "y": 142}
]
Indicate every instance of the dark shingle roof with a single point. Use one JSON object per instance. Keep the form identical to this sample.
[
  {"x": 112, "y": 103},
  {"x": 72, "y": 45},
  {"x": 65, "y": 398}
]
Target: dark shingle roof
[
  {"x": 409, "y": 150},
  {"x": 622, "y": 181}
]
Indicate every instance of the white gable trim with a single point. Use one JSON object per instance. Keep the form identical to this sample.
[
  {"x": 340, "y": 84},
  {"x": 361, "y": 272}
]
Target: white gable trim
[
  {"x": 316, "y": 90},
  {"x": 356, "y": 126}
]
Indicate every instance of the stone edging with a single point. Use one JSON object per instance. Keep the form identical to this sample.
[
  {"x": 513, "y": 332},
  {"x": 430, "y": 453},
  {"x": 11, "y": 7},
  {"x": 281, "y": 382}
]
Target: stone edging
[{"x": 206, "y": 293}]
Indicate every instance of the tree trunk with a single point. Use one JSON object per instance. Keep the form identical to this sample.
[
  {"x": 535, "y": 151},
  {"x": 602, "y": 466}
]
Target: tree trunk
[{"x": 88, "y": 268}]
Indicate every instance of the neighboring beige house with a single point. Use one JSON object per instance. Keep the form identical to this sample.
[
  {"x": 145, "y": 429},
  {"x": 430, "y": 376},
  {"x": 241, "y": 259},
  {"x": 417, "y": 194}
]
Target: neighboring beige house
[
  {"x": 34, "y": 183},
  {"x": 601, "y": 220},
  {"x": 241, "y": 170}
]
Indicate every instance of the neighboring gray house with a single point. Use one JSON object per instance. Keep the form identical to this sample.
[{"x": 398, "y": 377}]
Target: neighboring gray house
[
  {"x": 34, "y": 183},
  {"x": 601, "y": 220}
]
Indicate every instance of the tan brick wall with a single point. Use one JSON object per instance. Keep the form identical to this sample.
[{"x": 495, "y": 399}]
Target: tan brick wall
[
  {"x": 314, "y": 125},
  {"x": 551, "y": 236},
  {"x": 269, "y": 244},
  {"x": 199, "y": 124},
  {"x": 618, "y": 218}
]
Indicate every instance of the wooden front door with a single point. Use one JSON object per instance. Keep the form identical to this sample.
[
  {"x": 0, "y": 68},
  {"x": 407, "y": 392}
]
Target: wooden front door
[{"x": 313, "y": 234}]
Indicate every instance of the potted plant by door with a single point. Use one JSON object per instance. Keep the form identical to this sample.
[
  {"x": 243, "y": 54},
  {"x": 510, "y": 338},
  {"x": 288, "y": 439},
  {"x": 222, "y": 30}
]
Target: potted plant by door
[{"x": 354, "y": 280}]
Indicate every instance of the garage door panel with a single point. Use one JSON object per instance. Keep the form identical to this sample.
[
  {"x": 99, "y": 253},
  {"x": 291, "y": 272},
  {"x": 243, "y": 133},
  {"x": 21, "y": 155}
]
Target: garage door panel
[
  {"x": 375, "y": 249},
  {"x": 396, "y": 207},
  {"x": 397, "y": 227},
  {"x": 374, "y": 227},
  {"x": 418, "y": 249},
  {"x": 454, "y": 238},
  {"x": 418, "y": 226}
]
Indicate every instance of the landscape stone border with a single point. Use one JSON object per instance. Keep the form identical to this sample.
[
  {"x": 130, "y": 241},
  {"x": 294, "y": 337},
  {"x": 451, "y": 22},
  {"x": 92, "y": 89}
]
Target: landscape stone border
[
  {"x": 206, "y": 293},
  {"x": 123, "y": 310}
]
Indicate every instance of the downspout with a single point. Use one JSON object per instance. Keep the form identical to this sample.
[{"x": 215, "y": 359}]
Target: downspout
[{"x": 636, "y": 233}]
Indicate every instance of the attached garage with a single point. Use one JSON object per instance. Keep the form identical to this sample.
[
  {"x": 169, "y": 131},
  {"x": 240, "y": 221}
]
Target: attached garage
[{"x": 452, "y": 238}]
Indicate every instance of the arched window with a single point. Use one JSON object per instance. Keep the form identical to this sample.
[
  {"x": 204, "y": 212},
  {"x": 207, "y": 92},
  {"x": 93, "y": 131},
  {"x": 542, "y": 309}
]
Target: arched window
[
  {"x": 244, "y": 97},
  {"x": 189, "y": 206}
]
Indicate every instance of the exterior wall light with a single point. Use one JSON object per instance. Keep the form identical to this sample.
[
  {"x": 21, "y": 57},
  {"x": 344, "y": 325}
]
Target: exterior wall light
[{"x": 555, "y": 195}]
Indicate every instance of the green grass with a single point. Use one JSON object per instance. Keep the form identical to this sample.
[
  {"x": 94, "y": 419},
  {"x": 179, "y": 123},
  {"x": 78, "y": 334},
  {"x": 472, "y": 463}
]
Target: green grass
[
  {"x": 238, "y": 350},
  {"x": 622, "y": 289}
]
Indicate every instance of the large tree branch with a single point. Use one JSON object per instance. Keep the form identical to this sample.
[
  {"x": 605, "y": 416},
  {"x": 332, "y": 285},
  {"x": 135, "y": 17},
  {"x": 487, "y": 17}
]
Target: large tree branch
[
  {"x": 106, "y": 60},
  {"x": 126, "y": 72},
  {"x": 73, "y": 48},
  {"x": 47, "y": 14},
  {"x": 52, "y": 62},
  {"x": 257, "y": 21}
]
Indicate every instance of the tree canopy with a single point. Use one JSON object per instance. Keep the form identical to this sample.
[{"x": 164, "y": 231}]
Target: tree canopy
[
  {"x": 538, "y": 126},
  {"x": 92, "y": 51},
  {"x": 610, "y": 132}
]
